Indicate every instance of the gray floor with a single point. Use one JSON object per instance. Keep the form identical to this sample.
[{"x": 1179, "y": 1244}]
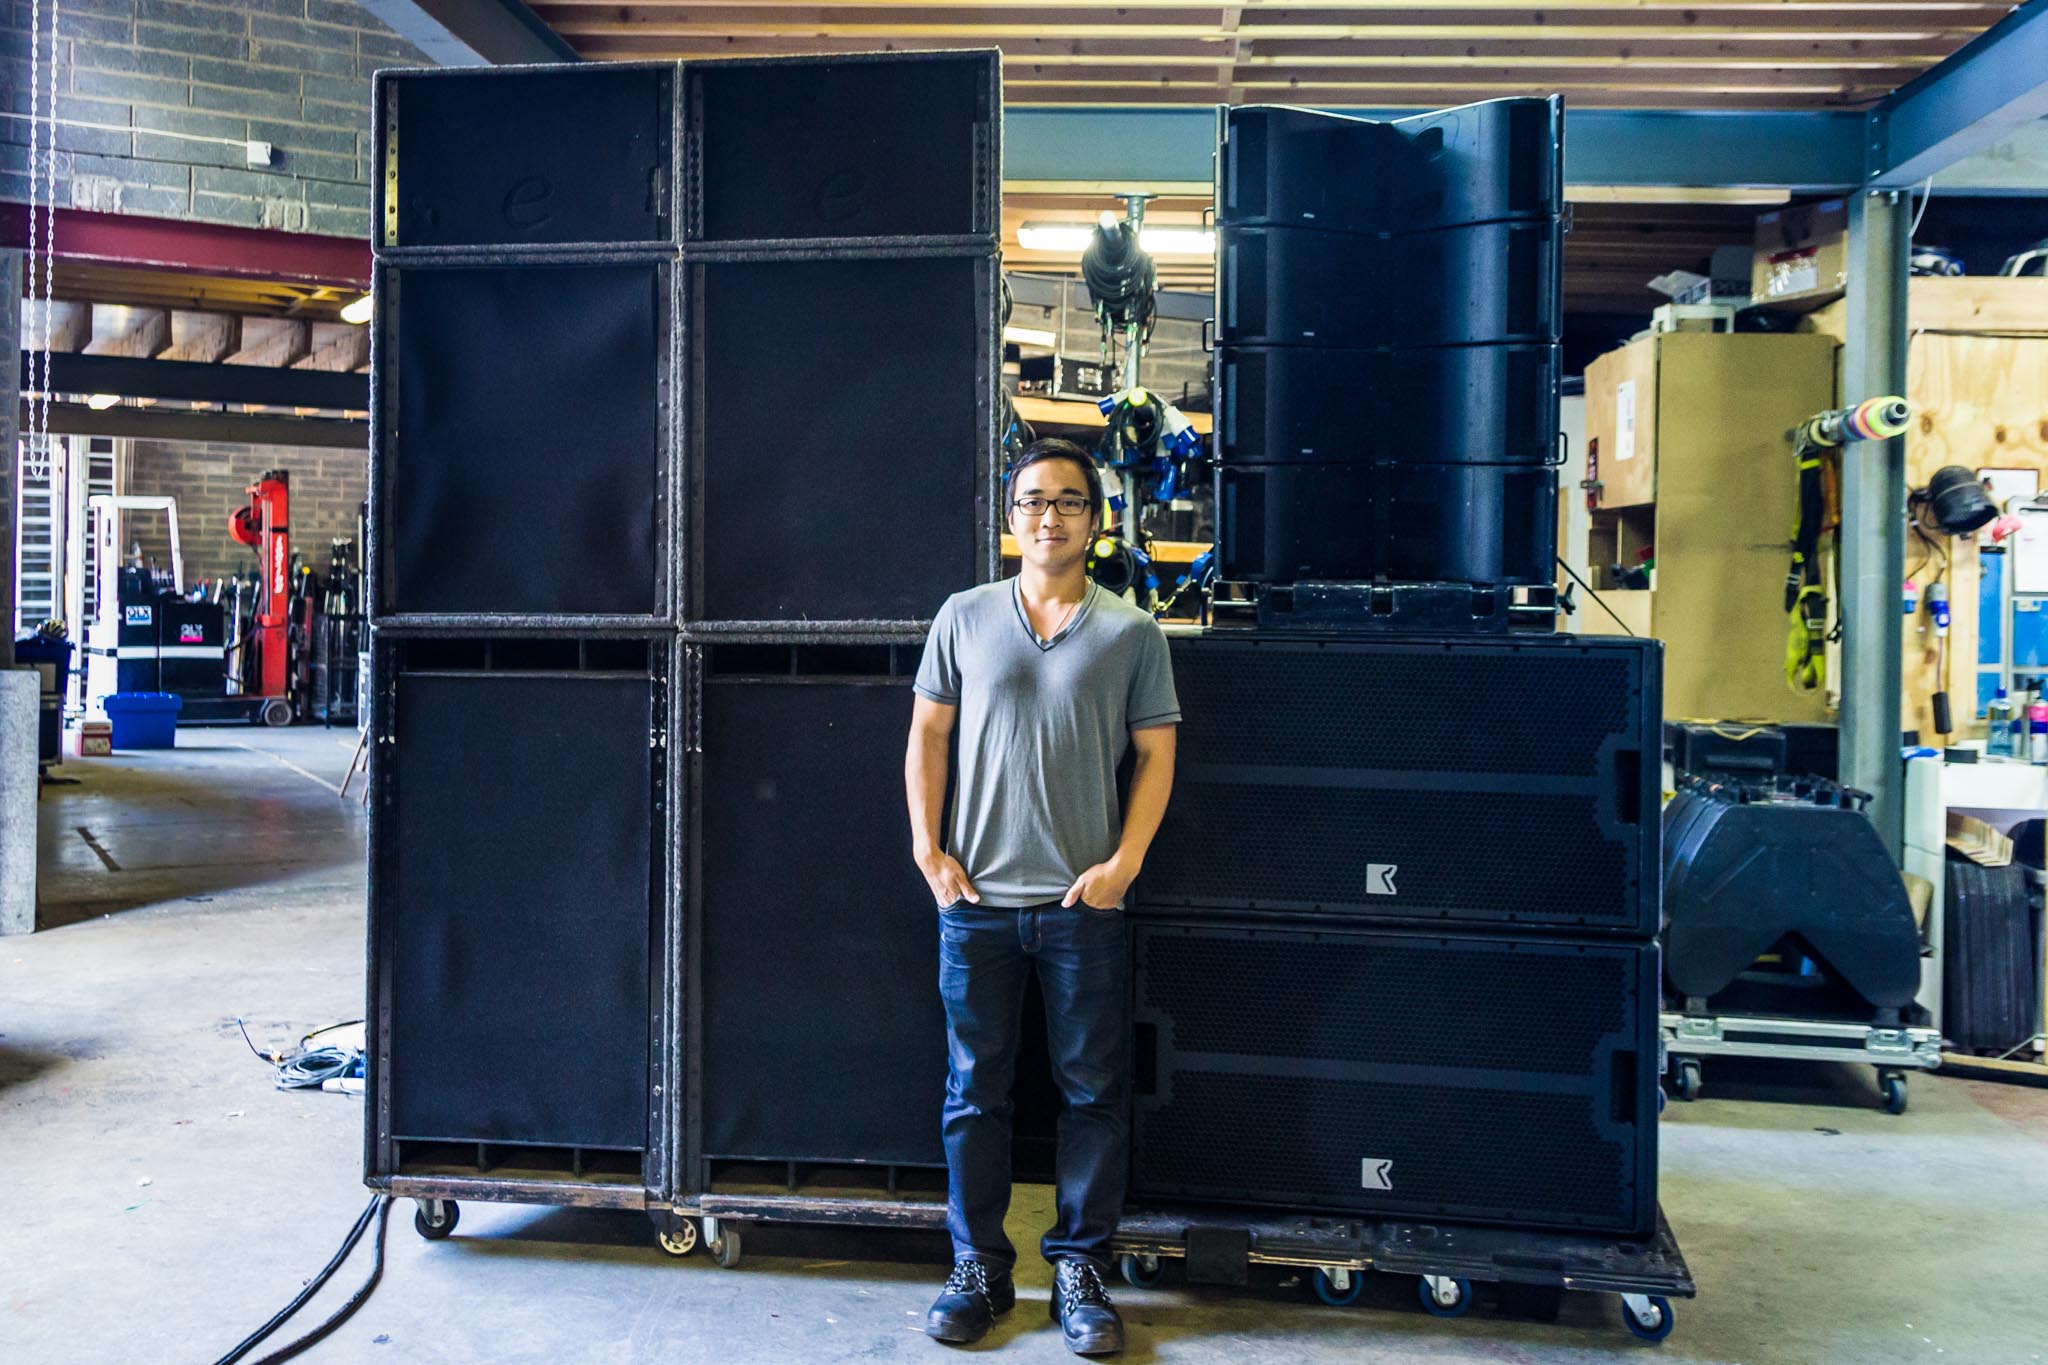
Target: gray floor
[{"x": 162, "y": 1199}]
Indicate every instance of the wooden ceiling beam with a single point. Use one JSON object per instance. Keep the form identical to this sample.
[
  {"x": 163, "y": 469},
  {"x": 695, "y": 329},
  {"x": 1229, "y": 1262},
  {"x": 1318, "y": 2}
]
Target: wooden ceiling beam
[
  {"x": 1818, "y": 12},
  {"x": 1903, "y": 57},
  {"x": 1440, "y": 94},
  {"x": 1261, "y": 24},
  {"x": 1259, "y": 82}
]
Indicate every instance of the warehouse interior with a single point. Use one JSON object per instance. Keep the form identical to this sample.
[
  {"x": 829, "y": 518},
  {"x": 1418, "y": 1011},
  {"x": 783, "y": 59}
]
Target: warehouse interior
[{"x": 486, "y": 475}]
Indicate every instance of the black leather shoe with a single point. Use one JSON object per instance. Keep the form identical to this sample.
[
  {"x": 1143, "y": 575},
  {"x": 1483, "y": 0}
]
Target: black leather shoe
[
  {"x": 976, "y": 1293},
  {"x": 1081, "y": 1306}
]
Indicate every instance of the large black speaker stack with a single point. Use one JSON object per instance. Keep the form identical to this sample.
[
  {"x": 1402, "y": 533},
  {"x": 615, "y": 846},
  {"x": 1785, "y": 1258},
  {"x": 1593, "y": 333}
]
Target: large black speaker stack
[
  {"x": 1395, "y": 945},
  {"x": 1387, "y": 329},
  {"x": 669, "y": 361}
]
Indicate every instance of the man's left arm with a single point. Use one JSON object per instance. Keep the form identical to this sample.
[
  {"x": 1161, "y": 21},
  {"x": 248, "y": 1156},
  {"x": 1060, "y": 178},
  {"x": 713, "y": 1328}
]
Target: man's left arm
[{"x": 1103, "y": 885}]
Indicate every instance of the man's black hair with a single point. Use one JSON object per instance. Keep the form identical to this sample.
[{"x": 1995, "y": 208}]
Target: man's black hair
[{"x": 1053, "y": 448}]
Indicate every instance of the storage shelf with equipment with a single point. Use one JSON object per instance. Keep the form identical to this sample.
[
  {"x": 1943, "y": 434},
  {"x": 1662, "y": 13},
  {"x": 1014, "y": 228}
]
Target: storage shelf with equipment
[{"x": 1694, "y": 495}]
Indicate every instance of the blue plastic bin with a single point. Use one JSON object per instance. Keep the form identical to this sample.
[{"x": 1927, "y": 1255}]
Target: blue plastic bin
[{"x": 144, "y": 720}]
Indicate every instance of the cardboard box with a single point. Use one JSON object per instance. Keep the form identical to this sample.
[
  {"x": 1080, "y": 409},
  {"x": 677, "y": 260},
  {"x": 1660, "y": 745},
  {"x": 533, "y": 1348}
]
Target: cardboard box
[
  {"x": 94, "y": 739},
  {"x": 1802, "y": 255}
]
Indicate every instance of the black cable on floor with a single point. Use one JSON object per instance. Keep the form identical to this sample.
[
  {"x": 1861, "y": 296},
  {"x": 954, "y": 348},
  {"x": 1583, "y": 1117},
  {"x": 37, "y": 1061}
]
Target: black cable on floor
[
  {"x": 348, "y": 1244},
  {"x": 347, "y": 1310}
]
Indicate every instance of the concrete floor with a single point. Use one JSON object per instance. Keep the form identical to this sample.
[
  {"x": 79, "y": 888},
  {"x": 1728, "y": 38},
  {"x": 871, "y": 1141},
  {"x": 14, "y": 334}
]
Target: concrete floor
[{"x": 162, "y": 1199}]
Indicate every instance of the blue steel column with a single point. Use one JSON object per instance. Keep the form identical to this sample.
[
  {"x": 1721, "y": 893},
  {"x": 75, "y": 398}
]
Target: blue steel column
[{"x": 1873, "y": 535}]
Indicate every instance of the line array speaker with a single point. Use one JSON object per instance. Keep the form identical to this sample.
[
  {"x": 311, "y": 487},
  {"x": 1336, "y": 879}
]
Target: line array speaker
[
  {"x": 1408, "y": 781},
  {"x": 1397, "y": 1075},
  {"x": 516, "y": 887},
  {"x": 1480, "y": 163},
  {"x": 1388, "y": 321},
  {"x": 1465, "y": 523}
]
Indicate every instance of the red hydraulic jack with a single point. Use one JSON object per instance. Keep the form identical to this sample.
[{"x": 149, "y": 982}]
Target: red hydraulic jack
[{"x": 265, "y": 526}]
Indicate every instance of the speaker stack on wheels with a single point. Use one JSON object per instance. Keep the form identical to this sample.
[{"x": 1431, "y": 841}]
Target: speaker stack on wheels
[
  {"x": 667, "y": 359},
  {"x": 1394, "y": 946},
  {"x": 523, "y": 648}
]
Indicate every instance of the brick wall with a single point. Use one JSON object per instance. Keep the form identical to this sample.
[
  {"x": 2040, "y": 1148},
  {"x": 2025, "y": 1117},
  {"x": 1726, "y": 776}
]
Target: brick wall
[
  {"x": 209, "y": 479},
  {"x": 158, "y": 77}
]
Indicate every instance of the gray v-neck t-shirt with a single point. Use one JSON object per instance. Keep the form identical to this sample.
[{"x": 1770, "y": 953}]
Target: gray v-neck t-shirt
[{"x": 1042, "y": 727}]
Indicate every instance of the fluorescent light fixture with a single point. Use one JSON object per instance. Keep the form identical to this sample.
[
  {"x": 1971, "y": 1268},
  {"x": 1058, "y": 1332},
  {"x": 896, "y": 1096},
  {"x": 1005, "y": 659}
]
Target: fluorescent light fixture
[
  {"x": 1073, "y": 239},
  {"x": 100, "y": 402},
  {"x": 358, "y": 312},
  {"x": 1062, "y": 237},
  {"x": 1179, "y": 241},
  {"x": 1030, "y": 336}
]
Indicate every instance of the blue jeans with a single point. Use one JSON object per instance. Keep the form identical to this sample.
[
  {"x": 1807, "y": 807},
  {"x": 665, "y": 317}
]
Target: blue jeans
[{"x": 1082, "y": 960}]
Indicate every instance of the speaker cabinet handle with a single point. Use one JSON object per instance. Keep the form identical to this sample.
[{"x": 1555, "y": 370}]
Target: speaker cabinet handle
[
  {"x": 1208, "y": 336},
  {"x": 1145, "y": 1059},
  {"x": 1628, "y": 786}
]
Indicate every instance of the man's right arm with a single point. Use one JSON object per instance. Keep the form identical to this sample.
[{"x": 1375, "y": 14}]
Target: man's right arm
[{"x": 924, "y": 779}]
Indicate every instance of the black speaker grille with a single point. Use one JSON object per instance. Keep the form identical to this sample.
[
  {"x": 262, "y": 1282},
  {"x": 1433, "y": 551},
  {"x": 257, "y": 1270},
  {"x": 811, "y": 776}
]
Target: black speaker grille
[
  {"x": 1499, "y": 1081},
  {"x": 524, "y": 447},
  {"x": 1448, "y": 1003},
  {"x": 1480, "y": 1154},
  {"x": 823, "y": 1035},
  {"x": 825, "y": 392},
  {"x": 1464, "y": 855},
  {"x": 516, "y": 908},
  {"x": 533, "y": 158},
  {"x": 1494, "y": 783},
  {"x": 898, "y": 147},
  {"x": 1473, "y": 709}
]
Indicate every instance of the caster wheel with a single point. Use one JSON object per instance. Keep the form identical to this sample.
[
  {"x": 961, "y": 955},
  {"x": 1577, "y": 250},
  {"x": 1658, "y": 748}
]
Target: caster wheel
[
  {"x": 1894, "y": 1094},
  {"x": 434, "y": 1219},
  {"x": 1325, "y": 1285},
  {"x": 1141, "y": 1272},
  {"x": 722, "y": 1240},
  {"x": 1446, "y": 1297},
  {"x": 277, "y": 712},
  {"x": 678, "y": 1236},
  {"x": 1654, "y": 1323},
  {"x": 1688, "y": 1086}
]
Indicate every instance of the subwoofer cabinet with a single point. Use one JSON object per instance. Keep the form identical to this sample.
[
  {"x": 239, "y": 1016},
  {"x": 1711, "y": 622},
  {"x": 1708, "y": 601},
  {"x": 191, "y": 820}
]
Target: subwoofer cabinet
[
  {"x": 518, "y": 875},
  {"x": 1494, "y": 783},
  {"x": 1397, "y": 1074}
]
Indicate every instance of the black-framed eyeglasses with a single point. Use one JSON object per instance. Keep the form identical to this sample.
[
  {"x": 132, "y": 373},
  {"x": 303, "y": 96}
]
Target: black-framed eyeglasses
[{"x": 1035, "y": 507}]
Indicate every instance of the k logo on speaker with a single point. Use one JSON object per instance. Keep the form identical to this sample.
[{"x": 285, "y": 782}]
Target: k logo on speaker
[
  {"x": 1379, "y": 879},
  {"x": 1376, "y": 1175}
]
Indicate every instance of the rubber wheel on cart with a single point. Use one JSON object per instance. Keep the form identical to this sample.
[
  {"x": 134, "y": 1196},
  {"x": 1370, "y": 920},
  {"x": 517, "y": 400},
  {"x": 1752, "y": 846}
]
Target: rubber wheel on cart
[
  {"x": 431, "y": 1226},
  {"x": 1894, "y": 1093},
  {"x": 725, "y": 1247},
  {"x": 1456, "y": 1308},
  {"x": 677, "y": 1235},
  {"x": 276, "y": 712},
  {"x": 1656, "y": 1331},
  {"x": 1327, "y": 1290},
  {"x": 1141, "y": 1272},
  {"x": 1688, "y": 1086}
]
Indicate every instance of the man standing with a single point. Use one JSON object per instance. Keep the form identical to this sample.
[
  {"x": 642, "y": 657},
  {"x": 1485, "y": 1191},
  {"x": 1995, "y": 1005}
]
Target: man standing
[{"x": 1045, "y": 680}]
